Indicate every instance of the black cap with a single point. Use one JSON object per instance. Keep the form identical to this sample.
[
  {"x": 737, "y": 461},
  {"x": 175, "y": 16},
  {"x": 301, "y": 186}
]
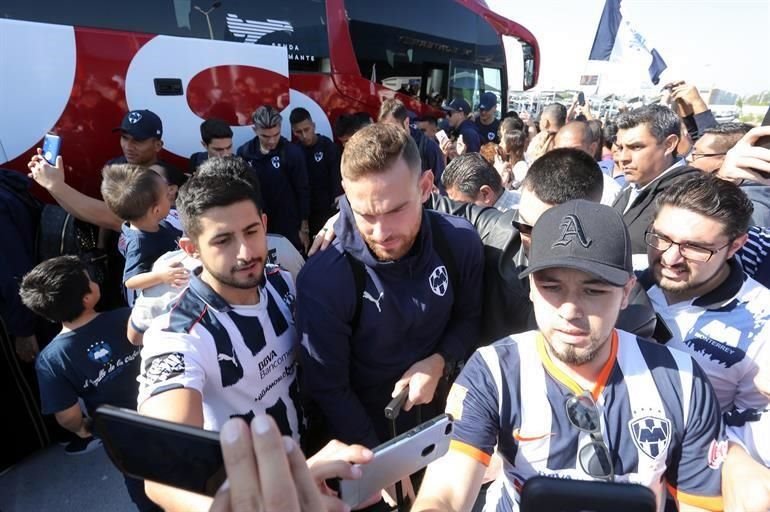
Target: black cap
[
  {"x": 141, "y": 125},
  {"x": 582, "y": 235},
  {"x": 458, "y": 105}
]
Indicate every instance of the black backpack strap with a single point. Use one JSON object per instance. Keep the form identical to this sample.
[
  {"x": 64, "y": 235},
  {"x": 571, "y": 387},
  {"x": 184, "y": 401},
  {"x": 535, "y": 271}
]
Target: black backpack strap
[
  {"x": 441, "y": 245},
  {"x": 359, "y": 278}
]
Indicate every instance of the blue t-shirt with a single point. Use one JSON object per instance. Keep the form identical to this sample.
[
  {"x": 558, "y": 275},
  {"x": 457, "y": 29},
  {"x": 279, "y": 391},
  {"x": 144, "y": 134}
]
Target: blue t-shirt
[
  {"x": 142, "y": 248},
  {"x": 94, "y": 362}
]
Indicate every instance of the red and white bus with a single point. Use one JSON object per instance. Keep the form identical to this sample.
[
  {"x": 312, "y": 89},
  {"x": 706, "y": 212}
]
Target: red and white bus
[{"x": 75, "y": 68}]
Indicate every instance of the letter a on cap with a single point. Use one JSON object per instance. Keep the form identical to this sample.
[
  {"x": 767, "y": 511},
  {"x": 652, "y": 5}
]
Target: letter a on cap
[{"x": 571, "y": 230}]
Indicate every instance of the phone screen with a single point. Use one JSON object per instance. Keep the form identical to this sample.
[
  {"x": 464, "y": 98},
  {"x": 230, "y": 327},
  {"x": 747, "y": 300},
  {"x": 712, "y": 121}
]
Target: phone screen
[
  {"x": 161, "y": 451},
  {"x": 51, "y": 146},
  {"x": 441, "y": 136}
]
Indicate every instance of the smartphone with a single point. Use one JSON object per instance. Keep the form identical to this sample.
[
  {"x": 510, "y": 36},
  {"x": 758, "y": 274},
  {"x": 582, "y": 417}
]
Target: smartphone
[
  {"x": 162, "y": 451},
  {"x": 561, "y": 495},
  {"x": 51, "y": 147},
  {"x": 581, "y": 99},
  {"x": 441, "y": 136},
  {"x": 399, "y": 458}
]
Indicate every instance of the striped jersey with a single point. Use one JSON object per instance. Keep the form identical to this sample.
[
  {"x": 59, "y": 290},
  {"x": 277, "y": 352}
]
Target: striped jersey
[
  {"x": 725, "y": 331},
  {"x": 660, "y": 419},
  {"x": 751, "y": 429},
  {"x": 240, "y": 358},
  {"x": 754, "y": 255}
]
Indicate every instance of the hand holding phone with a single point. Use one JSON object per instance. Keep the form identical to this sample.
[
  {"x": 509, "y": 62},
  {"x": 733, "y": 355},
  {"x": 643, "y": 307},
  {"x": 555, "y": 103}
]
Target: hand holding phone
[
  {"x": 51, "y": 147},
  {"x": 581, "y": 99},
  {"x": 441, "y": 137}
]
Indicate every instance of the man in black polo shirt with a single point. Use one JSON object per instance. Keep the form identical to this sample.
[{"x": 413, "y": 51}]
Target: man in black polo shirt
[{"x": 487, "y": 122}]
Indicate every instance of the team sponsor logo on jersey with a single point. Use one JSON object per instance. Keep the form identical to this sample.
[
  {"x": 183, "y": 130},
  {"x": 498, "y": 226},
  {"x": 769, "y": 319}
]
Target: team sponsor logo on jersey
[
  {"x": 455, "y": 401},
  {"x": 717, "y": 453},
  {"x": 571, "y": 230},
  {"x": 134, "y": 117},
  {"x": 439, "y": 280},
  {"x": 276, "y": 161},
  {"x": 715, "y": 351},
  {"x": 164, "y": 367},
  {"x": 319, "y": 156},
  {"x": 651, "y": 435},
  {"x": 100, "y": 352}
]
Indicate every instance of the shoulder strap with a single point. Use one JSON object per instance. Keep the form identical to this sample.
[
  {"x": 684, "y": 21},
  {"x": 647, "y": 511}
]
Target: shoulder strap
[
  {"x": 441, "y": 245},
  {"x": 359, "y": 278}
]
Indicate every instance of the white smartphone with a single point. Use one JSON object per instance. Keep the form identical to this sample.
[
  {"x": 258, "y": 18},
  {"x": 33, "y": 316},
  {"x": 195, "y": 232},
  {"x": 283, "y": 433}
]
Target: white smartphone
[
  {"x": 399, "y": 458},
  {"x": 441, "y": 136}
]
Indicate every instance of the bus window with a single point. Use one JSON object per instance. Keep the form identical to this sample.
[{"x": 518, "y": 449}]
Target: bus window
[
  {"x": 409, "y": 39},
  {"x": 465, "y": 81},
  {"x": 299, "y": 25},
  {"x": 493, "y": 83}
]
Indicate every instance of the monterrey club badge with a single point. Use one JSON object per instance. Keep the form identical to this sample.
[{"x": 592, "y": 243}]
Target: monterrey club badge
[
  {"x": 276, "y": 161},
  {"x": 439, "y": 280},
  {"x": 651, "y": 435}
]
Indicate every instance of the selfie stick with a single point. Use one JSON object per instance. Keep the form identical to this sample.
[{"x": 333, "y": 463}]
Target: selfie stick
[{"x": 392, "y": 410}]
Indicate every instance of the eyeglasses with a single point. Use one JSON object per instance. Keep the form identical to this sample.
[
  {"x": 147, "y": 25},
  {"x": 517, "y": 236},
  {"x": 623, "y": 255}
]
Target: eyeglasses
[
  {"x": 522, "y": 227},
  {"x": 687, "y": 251},
  {"x": 594, "y": 457},
  {"x": 695, "y": 156}
]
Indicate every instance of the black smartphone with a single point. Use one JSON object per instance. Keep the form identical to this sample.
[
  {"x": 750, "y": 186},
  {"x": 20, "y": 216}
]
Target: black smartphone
[
  {"x": 560, "y": 495},
  {"x": 581, "y": 99},
  {"x": 765, "y": 141},
  {"x": 162, "y": 451},
  {"x": 51, "y": 147}
]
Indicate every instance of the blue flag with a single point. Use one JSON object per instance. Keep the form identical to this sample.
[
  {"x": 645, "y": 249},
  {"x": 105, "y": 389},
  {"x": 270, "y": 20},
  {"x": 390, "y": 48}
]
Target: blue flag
[{"x": 607, "y": 31}]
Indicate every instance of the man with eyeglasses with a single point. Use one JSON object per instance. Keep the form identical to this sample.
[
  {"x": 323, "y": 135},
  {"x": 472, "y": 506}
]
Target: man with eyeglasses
[{"x": 578, "y": 398}]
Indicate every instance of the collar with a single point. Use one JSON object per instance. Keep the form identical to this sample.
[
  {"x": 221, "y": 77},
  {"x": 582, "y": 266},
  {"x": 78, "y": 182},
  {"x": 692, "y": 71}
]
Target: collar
[
  {"x": 207, "y": 294},
  {"x": 725, "y": 293},
  {"x": 678, "y": 163},
  {"x": 717, "y": 298},
  {"x": 558, "y": 374}
]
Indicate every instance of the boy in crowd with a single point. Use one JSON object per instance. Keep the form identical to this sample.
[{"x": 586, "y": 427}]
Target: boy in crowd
[
  {"x": 140, "y": 196},
  {"x": 90, "y": 359},
  {"x": 216, "y": 139}
]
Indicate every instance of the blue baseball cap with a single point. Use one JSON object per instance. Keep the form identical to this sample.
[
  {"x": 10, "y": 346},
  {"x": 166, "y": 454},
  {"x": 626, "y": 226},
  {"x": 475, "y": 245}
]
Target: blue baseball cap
[
  {"x": 487, "y": 101},
  {"x": 141, "y": 125},
  {"x": 458, "y": 105}
]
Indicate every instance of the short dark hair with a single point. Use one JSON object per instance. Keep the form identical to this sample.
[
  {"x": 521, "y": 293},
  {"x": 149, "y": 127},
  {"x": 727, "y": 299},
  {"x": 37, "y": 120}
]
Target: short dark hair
[
  {"x": 215, "y": 129},
  {"x": 374, "y": 148},
  {"x": 597, "y": 134},
  {"x": 218, "y": 182},
  {"x": 130, "y": 190},
  {"x": 428, "y": 119},
  {"x": 659, "y": 119},
  {"x": 711, "y": 197},
  {"x": 565, "y": 174},
  {"x": 516, "y": 141},
  {"x": 511, "y": 114},
  {"x": 393, "y": 107},
  {"x": 509, "y": 124},
  {"x": 171, "y": 174},
  {"x": 298, "y": 115},
  {"x": 728, "y": 134},
  {"x": 557, "y": 112},
  {"x": 609, "y": 134},
  {"x": 55, "y": 288},
  {"x": 348, "y": 124},
  {"x": 468, "y": 173}
]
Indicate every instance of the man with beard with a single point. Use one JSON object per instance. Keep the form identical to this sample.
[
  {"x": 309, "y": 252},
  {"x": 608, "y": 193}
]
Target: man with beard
[
  {"x": 227, "y": 346},
  {"x": 395, "y": 301},
  {"x": 578, "y": 398}
]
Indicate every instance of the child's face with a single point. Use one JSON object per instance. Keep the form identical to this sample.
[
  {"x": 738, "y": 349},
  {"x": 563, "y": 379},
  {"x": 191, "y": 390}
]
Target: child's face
[
  {"x": 163, "y": 206},
  {"x": 172, "y": 189}
]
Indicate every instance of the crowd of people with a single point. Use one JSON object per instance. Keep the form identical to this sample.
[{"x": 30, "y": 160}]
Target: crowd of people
[{"x": 586, "y": 298}]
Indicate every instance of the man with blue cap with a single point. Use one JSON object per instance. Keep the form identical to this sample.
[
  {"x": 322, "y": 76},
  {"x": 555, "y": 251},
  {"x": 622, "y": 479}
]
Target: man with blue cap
[{"x": 487, "y": 122}]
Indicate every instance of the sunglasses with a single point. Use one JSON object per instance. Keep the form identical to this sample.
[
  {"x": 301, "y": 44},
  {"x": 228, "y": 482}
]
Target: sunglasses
[
  {"x": 594, "y": 457},
  {"x": 522, "y": 227}
]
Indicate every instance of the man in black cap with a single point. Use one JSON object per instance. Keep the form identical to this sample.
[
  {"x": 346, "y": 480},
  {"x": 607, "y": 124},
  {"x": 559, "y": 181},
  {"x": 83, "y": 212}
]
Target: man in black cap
[
  {"x": 598, "y": 403},
  {"x": 487, "y": 122},
  {"x": 457, "y": 117},
  {"x": 141, "y": 133}
]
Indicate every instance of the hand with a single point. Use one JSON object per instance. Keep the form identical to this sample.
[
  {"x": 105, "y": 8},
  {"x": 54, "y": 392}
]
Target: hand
[
  {"x": 283, "y": 481},
  {"x": 304, "y": 239},
  {"x": 389, "y": 494},
  {"x": 460, "y": 147},
  {"x": 688, "y": 97},
  {"x": 325, "y": 237},
  {"x": 745, "y": 483},
  {"x": 744, "y": 160},
  {"x": 448, "y": 148},
  {"x": 422, "y": 379},
  {"x": 175, "y": 275},
  {"x": 27, "y": 348},
  {"x": 44, "y": 174},
  {"x": 335, "y": 460}
]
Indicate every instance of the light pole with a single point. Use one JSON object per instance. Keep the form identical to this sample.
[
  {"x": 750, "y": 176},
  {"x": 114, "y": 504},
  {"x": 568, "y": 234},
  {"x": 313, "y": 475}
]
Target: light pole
[{"x": 215, "y": 5}]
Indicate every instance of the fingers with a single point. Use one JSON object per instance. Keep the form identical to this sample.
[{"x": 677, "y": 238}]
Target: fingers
[
  {"x": 241, "y": 467},
  {"x": 307, "y": 490},
  {"x": 60, "y": 163},
  {"x": 326, "y": 470},
  {"x": 275, "y": 480},
  {"x": 401, "y": 384},
  {"x": 755, "y": 133}
]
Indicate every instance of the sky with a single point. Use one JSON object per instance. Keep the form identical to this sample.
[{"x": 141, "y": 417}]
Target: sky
[{"x": 713, "y": 43}]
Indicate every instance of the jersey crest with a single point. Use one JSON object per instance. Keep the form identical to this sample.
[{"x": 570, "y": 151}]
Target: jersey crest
[
  {"x": 439, "y": 280},
  {"x": 651, "y": 435},
  {"x": 318, "y": 156}
]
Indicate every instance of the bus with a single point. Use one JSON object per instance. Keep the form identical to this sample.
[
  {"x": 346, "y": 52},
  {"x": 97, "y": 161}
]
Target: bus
[{"x": 75, "y": 68}]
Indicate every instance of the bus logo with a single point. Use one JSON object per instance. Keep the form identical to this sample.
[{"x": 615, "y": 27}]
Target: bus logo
[{"x": 252, "y": 31}]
